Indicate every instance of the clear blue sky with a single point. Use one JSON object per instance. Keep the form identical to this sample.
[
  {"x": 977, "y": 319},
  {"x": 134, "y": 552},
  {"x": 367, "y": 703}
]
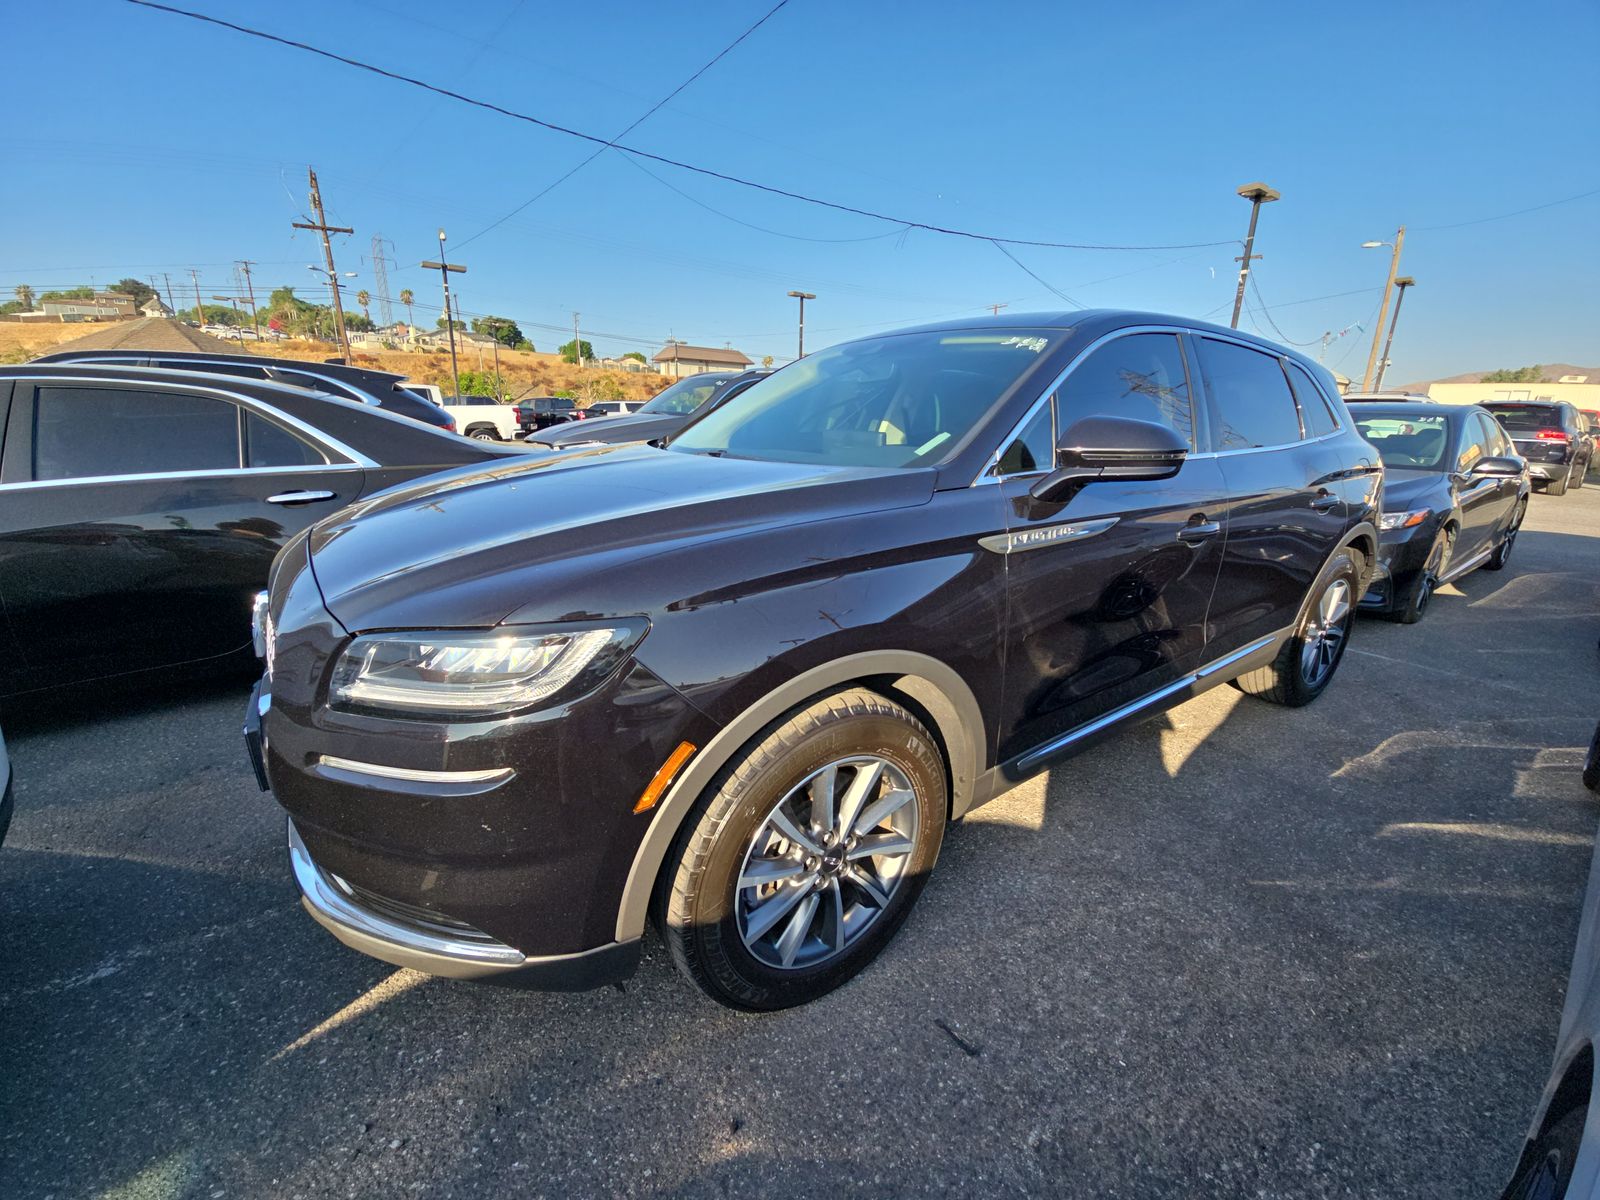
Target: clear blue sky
[{"x": 139, "y": 142}]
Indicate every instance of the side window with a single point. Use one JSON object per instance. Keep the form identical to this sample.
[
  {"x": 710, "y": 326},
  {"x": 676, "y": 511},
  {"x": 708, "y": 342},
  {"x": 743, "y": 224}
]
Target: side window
[
  {"x": 81, "y": 432},
  {"x": 1254, "y": 406},
  {"x": 1031, "y": 450},
  {"x": 269, "y": 445},
  {"x": 1314, "y": 410},
  {"x": 1472, "y": 445},
  {"x": 1140, "y": 376},
  {"x": 1494, "y": 438}
]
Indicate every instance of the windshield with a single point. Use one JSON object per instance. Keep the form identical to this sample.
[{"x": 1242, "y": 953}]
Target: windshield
[
  {"x": 1526, "y": 416},
  {"x": 901, "y": 401},
  {"x": 686, "y": 395},
  {"x": 1415, "y": 443}
]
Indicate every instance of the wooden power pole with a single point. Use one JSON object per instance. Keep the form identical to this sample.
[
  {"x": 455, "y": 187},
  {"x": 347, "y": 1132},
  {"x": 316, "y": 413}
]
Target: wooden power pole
[
  {"x": 321, "y": 226},
  {"x": 250, "y": 294}
]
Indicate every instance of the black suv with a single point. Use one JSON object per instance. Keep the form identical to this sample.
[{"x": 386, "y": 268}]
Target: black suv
[
  {"x": 545, "y": 411},
  {"x": 336, "y": 379},
  {"x": 742, "y": 682},
  {"x": 1553, "y": 436}
]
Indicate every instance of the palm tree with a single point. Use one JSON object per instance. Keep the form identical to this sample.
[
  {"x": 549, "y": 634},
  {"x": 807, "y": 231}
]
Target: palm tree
[
  {"x": 364, "y": 298},
  {"x": 25, "y": 296},
  {"x": 406, "y": 298}
]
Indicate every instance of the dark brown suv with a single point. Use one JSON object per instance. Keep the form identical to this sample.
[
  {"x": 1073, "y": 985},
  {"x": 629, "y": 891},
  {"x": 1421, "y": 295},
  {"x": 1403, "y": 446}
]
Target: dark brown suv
[{"x": 739, "y": 683}]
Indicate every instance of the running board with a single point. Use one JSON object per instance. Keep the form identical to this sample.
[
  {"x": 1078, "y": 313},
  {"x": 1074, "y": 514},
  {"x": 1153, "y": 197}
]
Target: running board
[{"x": 1180, "y": 689}]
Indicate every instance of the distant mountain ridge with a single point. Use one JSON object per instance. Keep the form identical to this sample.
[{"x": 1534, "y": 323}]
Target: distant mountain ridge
[{"x": 1551, "y": 373}]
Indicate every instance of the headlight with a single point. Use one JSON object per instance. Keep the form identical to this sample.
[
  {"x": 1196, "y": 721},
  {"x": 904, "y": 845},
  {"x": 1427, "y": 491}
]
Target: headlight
[
  {"x": 1403, "y": 520},
  {"x": 488, "y": 672}
]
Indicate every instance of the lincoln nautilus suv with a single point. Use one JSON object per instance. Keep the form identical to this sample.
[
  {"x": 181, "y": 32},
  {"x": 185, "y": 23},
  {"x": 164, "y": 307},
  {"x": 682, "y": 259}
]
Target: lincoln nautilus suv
[{"x": 739, "y": 681}]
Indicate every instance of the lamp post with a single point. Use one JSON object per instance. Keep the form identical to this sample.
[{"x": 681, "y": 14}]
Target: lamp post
[
  {"x": 1402, "y": 284},
  {"x": 444, "y": 268},
  {"x": 338, "y": 308},
  {"x": 1383, "y": 308},
  {"x": 802, "y": 297},
  {"x": 1258, "y": 194}
]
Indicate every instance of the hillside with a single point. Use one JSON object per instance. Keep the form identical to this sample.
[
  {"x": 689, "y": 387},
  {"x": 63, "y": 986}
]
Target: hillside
[
  {"x": 525, "y": 373},
  {"x": 1550, "y": 372}
]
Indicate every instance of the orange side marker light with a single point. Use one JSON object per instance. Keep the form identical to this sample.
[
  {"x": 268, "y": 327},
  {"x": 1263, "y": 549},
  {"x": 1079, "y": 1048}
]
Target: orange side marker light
[{"x": 664, "y": 777}]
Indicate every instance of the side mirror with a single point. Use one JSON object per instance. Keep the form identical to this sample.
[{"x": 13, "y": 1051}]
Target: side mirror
[
  {"x": 1498, "y": 467},
  {"x": 1100, "y": 448}
]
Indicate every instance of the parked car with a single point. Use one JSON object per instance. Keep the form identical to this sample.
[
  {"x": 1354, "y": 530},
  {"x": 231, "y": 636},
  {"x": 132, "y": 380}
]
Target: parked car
[
  {"x": 665, "y": 414},
  {"x": 1385, "y": 398},
  {"x": 140, "y": 508},
  {"x": 541, "y": 412},
  {"x": 483, "y": 418},
  {"x": 8, "y": 799},
  {"x": 1454, "y": 495},
  {"x": 387, "y": 391},
  {"x": 1552, "y": 436},
  {"x": 870, "y": 593},
  {"x": 614, "y": 408}
]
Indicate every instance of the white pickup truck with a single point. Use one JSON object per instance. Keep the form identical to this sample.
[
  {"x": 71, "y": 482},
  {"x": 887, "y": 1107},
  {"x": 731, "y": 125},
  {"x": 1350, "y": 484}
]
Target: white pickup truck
[{"x": 480, "y": 417}]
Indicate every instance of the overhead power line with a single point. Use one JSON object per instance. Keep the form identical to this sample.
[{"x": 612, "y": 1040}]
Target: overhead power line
[
  {"x": 612, "y": 144},
  {"x": 1516, "y": 213},
  {"x": 648, "y": 113},
  {"x": 1036, "y": 279}
]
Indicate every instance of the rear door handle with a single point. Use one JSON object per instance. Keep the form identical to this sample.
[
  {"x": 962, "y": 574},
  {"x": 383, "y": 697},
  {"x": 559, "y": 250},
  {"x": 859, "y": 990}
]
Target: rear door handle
[
  {"x": 1324, "y": 503},
  {"x": 1200, "y": 532},
  {"x": 299, "y": 497}
]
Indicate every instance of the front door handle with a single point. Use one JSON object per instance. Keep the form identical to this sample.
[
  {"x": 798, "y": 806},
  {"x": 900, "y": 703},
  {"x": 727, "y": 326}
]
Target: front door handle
[
  {"x": 1324, "y": 503},
  {"x": 299, "y": 497},
  {"x": 1200, "y": 532}
]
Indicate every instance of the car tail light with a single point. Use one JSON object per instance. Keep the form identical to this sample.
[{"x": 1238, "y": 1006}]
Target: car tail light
[{"x": 1552, "y": 435}]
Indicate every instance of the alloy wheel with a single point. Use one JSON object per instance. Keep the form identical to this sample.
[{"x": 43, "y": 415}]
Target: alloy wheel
[
  {"x": 1327, "y": 626},
  {"x": 824, "y": 865}
]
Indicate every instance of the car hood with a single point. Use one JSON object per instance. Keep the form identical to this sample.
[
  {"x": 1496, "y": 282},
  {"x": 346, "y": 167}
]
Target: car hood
[
  {"x": 612, "y": 430},
  {"x": 1404, "y": 488},
  {"x": 467, "y": 548}
]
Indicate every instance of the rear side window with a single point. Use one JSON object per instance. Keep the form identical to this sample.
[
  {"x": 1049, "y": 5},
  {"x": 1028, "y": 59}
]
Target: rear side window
[
  {"x": 1141, "y": 376},
  {"x": 269, "y": 445},
  {"x": 1314, "y": 410},
  {"x": 1254, "y": 406},
  {"x": 81, "y": 432}
]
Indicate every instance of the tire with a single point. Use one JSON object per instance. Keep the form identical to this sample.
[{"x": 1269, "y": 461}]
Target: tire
[
  {"x": 1552, "y": 488},
  {"x": 1591, "y": 763},
  {"x": 1319, "y": 640},
  {"x": 1546, "y": 1167},
  {"x": 1502, "y": 552},
  {"x": 1577, "y": 478},
  {"x": 1409, "y": 609},
  {"x": 483, "y": 433},
  {"x": 723, "y": 936}
]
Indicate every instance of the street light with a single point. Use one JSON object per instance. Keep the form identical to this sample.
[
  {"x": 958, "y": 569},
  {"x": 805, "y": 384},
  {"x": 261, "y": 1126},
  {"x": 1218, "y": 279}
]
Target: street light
[
  {"x": 333, "y": 282},
  {"x": 444, "y": 268},
  {"x": 1383, "y": 308},
  {"x": 1402, "y": 284},
  {"x": 1258, "y": 194},
  {"x": 802, "y": 297}
]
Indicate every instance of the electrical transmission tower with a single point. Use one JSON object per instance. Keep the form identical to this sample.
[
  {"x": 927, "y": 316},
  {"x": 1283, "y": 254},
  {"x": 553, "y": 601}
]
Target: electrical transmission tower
[{"x": 381, "y": 276}]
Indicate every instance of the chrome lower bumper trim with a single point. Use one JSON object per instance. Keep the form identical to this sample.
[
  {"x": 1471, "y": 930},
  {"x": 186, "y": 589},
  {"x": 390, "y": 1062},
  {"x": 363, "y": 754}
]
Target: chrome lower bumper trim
[{"x": 382, "y": 771}]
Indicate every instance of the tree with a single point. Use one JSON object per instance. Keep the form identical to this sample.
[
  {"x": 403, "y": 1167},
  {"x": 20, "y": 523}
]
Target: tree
[
  {"x": 568, "y": 355},
  {"x": 636, "y": 356},
  {"x": 766, "y": 360},
  {"x": 406, "y": 297},
  {"x": 25, "y": 297},
  {"x": 502, "y": 329},
  {"x": 220, "y": 314},
  {"x": 77, "y": 293},
  {"x": 360, "y": 322},
  {"x": 135, "y": 288},
  {"x": 482, "y": 383},
  {"x": 1534, "y": 374},
  {"x": 446, "y": 322},
  {"x": 364, "y": 301}
]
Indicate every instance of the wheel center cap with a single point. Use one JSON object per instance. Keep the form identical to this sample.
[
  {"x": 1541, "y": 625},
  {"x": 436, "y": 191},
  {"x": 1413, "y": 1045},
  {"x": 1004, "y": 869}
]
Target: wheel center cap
[{"x": 833, "y": 860}]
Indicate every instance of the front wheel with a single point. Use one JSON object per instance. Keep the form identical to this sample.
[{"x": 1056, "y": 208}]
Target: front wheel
[
  {"x": 797, "y": 868},
  {"x": 1410, "y": 607},
  {"x": 1308, "y": 660},
  {"x": 1546, "y": 1168}
]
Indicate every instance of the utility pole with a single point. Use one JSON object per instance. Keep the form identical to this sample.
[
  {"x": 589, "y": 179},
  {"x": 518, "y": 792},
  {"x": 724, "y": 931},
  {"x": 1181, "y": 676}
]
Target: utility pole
[
  {"x": 250, "y": 291},
  {"x": 1383, "y": 308},
  {"x": 497, "y": 392},
  {"x": 444, "y": 268},
  {"x": 993, "y": 308},
  {"x": 199, "y": 309},
  {"x": 1258, "y": 194},
  {"x": 321, "y": 226},
  {"x": 577, "y": 346},
  {"x": 802, "y": 297},
  {"x": 170, "y": 304},
  {"x": 1402, "y": 283}
]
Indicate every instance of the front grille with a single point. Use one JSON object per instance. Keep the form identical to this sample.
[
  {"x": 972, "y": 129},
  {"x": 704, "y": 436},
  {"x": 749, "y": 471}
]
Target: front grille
[{"x": 424, "y": 920}]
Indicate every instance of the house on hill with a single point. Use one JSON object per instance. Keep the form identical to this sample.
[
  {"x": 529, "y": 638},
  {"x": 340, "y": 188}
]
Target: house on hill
[
  {"x": 676, "y": 360},
  {"x": 102, "y": 306}
]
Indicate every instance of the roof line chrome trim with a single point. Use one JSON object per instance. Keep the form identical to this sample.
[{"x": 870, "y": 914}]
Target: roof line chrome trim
[{"x": 219, "y": 473}]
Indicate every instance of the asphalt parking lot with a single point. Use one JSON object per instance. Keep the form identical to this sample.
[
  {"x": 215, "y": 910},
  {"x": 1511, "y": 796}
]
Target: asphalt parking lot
[{"x": 1238, "y": 951}]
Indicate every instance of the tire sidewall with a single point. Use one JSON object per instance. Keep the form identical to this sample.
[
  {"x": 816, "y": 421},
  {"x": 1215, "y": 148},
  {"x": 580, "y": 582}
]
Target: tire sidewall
[
  {"x": 1342, "y": 564},
  {"x": 747, "y": 798}
]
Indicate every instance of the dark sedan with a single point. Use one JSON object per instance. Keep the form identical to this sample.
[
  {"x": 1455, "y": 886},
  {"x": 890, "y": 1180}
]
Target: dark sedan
[
  {"x": 1455, "y": 492},
  {"x": 360, "y": 384},
  {"x": 140, "y": 509},
  {"x": 663, "y": 416},
  {"x": 742, "y": 681},
  {"x": 1553, "y": 437}
]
